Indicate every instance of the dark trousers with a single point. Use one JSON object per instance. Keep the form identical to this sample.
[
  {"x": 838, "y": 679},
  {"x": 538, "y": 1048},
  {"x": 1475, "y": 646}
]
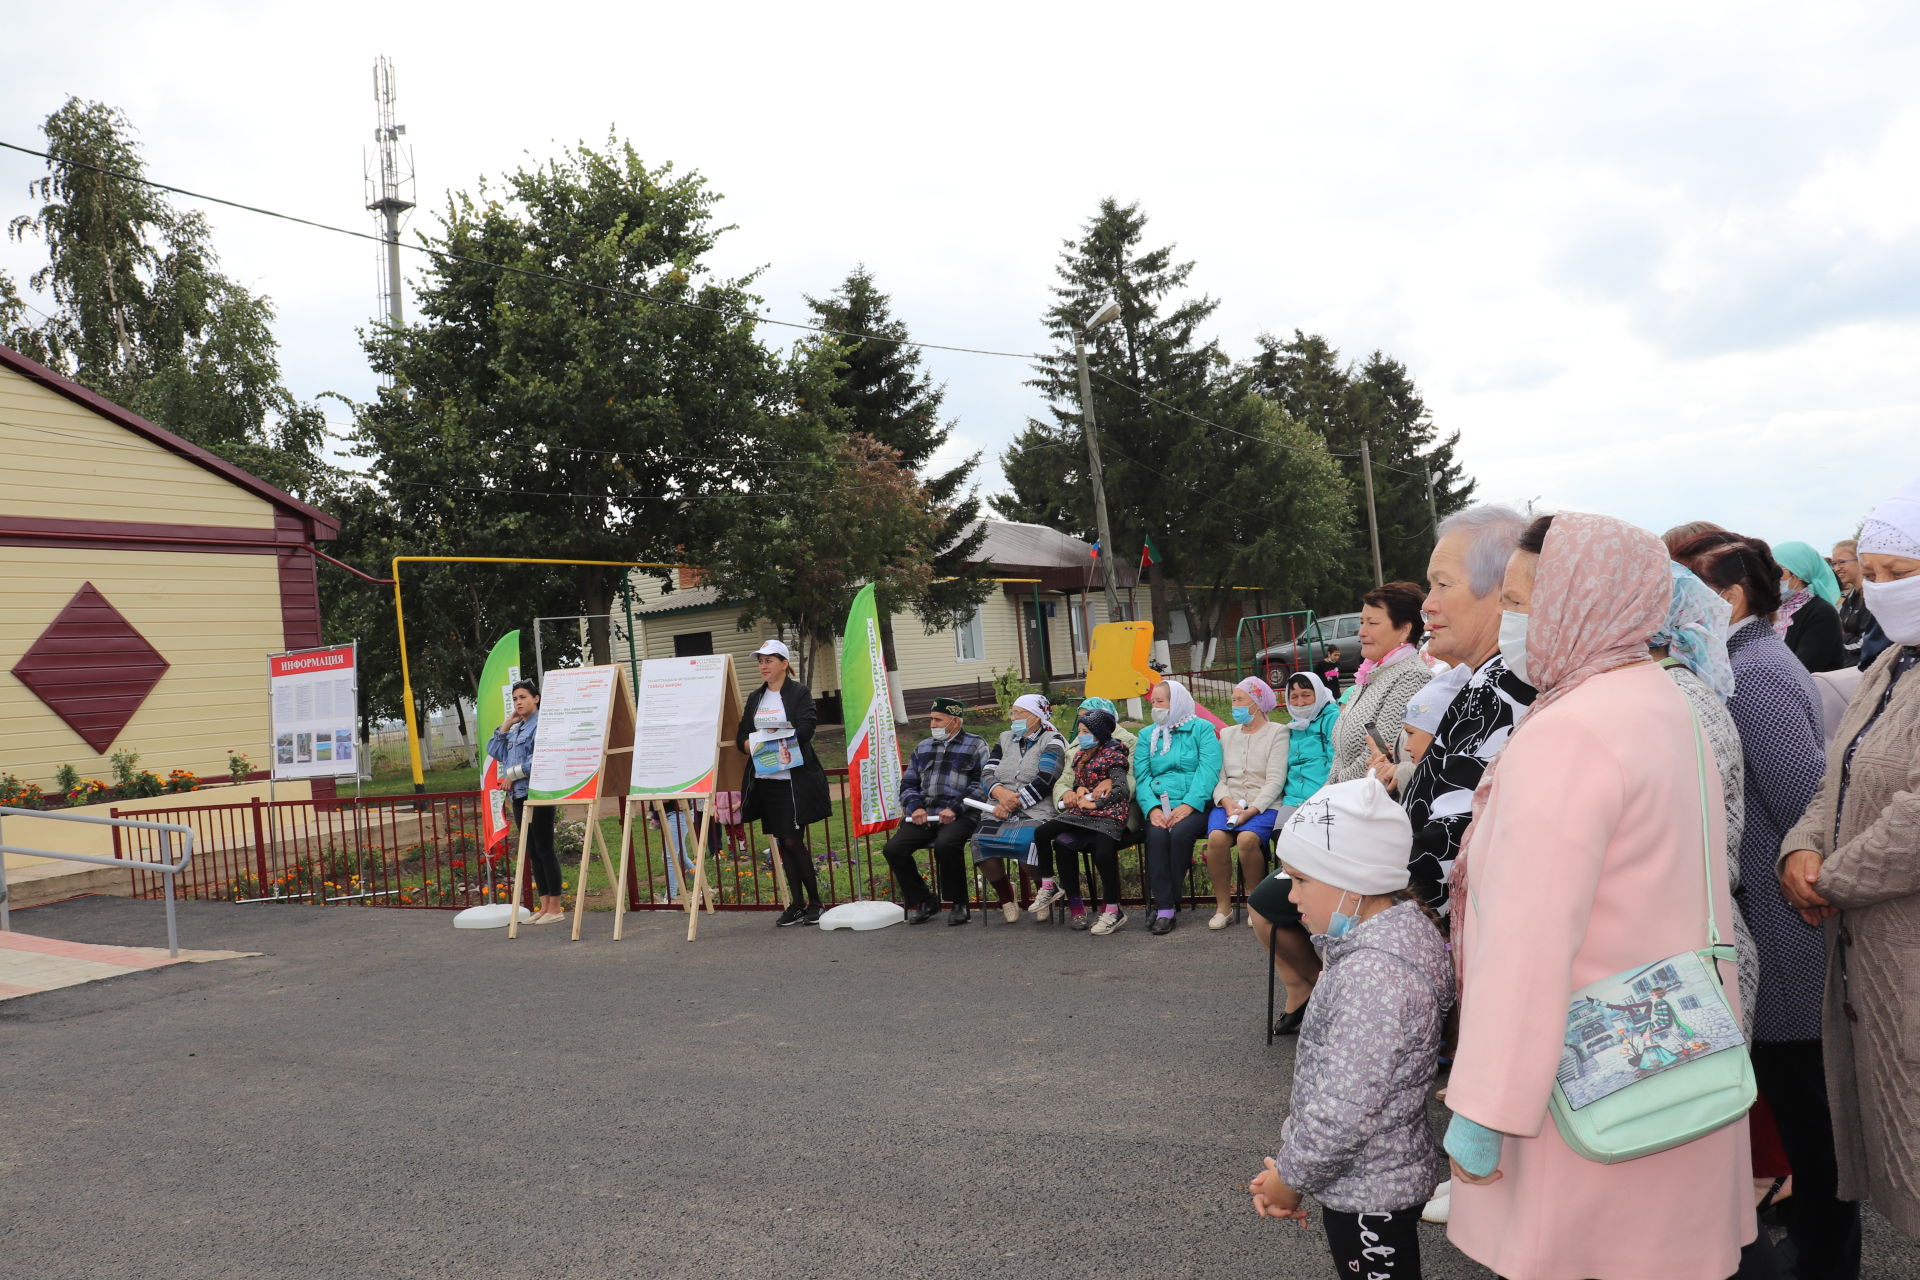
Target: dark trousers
[
  {"x": 1058, "y": 858},
  {"x": 540, "y": 855},
  {"x": 949, "y": 841},
  {"x": 1384, "y": 1244},
  {"x": 1824, "y": 1229},
  {"x": 1170, "y": 857}
]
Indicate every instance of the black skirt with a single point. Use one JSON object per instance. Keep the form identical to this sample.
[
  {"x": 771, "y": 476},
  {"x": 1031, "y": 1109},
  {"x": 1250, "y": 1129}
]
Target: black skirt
[{"x": 774, "y": 799}]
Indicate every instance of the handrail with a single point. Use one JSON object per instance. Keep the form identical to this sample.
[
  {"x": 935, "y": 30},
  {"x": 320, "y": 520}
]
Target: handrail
[{"x": 163, "y": 867}]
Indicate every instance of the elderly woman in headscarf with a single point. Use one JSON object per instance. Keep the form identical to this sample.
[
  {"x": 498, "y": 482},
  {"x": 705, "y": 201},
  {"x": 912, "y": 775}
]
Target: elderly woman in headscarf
[
  {"x": 1852, "y": 862},
  {"x": 1253, "y": 773},
  {"x": 1176, "y": 766},
  {"x": 1018, "y": 782},
  {"x": 1091, "y": 810},
  {"x": 1584, "y": 860},
  {"x": 1809, "y": 617}
]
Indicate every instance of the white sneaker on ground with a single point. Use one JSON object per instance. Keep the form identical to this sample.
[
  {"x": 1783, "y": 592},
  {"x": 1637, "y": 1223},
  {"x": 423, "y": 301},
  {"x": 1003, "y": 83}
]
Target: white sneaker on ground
[
  {"x": 1010, "y": 912},
  {"x": 1436, "y": 1210},
  {"x": 1108, "y": 922},
  {"x": 1221, "y": 919},
  {"x": 1043, "y": 901}
]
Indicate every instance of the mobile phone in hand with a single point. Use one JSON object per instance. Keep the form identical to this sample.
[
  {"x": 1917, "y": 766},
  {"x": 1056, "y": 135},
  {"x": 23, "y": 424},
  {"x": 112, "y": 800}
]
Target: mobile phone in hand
[{"x": 1373, "y": 735}]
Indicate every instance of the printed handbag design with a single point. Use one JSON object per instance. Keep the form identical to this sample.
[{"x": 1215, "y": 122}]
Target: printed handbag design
[{"x": 1654, "y": 1056}]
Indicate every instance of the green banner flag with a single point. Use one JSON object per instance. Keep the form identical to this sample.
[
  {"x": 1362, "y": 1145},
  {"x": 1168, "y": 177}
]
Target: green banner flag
[
  {"x": 492, "y": 704},
  {"x": 873, "y": 752}
]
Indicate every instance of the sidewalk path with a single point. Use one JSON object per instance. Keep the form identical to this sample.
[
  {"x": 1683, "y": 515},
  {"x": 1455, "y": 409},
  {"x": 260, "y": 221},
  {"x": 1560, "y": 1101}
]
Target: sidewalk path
[{"x": 30, "y": 965}]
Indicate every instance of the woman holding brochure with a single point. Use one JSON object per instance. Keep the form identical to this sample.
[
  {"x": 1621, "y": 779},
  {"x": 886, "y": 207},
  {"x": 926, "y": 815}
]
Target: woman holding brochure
[{"x": 785, "y": 789}]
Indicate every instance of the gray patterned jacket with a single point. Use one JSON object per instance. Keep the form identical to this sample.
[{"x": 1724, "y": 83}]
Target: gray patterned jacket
[{"x": 1356, "y": 1136}]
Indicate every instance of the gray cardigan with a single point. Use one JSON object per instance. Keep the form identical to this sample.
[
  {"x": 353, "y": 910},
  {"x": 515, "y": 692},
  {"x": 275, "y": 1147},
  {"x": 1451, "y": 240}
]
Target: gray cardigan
[{"x": 1356, "y": 1136}]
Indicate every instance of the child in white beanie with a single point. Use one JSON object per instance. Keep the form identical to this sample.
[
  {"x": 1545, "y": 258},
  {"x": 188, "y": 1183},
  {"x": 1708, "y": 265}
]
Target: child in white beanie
[{"x": 1356, "y": 1136}]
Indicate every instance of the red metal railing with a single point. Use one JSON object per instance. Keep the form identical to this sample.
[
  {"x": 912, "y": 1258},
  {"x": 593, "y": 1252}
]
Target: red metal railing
[{"x": 423, "y": 851}]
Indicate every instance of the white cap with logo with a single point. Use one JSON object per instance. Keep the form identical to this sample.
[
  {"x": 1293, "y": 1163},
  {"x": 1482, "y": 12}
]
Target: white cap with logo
[
  {"x": 774, "y": 649},
  {"x": 1350, "y": 835}
]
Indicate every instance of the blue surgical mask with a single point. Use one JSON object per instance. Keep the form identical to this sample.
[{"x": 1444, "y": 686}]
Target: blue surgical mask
[
  {"x": 1243, "y": 715},
  {"x": 1022, "y": 727},
  {"x": 1339, "y": 923},
  {"x": 1087, "y": 742}
]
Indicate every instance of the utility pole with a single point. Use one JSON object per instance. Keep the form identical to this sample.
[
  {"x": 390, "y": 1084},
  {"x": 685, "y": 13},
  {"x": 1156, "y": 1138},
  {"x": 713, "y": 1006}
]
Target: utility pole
[
  {"x": 387, "y": 195},
  {"x": 1373, "y": 517},
  {"x": 1109, "y": 311},
  {"x": 1433, "y": 506}
]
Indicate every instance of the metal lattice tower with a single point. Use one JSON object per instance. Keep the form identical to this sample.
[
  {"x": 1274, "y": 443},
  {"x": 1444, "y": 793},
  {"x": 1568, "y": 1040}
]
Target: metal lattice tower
[{"x": 390, "y": 191}]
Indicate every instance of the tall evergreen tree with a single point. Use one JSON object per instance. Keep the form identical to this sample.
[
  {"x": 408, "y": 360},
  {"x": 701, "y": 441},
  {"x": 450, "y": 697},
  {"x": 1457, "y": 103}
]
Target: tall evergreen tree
[
  {"x": 884, "y": 395},
  {"x": 144, "y": 315}
]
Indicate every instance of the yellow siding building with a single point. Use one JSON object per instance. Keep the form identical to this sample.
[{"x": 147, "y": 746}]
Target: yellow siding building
[{"x": 143, "y": 581}]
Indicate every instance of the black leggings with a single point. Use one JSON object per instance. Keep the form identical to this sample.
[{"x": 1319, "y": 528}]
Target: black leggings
[
  {"x": 540, "y": 854},
  {"x": 1385, "y": 1245},
  {"x": 802, "y": 879},
  {"x": 1066, "y": 862}
]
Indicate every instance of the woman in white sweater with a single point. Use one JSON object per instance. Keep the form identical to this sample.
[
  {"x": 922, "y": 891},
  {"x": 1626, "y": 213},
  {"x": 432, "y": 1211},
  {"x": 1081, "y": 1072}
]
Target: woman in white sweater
[{"x": 1253, "y": 772}]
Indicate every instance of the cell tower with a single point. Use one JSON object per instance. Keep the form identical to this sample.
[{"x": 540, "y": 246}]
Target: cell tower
[{"x": 389, "y": 194}]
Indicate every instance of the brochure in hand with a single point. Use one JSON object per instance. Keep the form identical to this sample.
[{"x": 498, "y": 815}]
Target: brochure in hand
[{"x": 775, "y": 752}]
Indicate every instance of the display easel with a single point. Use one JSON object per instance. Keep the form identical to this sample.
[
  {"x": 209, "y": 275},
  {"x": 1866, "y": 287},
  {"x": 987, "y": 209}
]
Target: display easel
[
  {"x": 689, "y": 710},
  {"x": 580, "y": 756}
]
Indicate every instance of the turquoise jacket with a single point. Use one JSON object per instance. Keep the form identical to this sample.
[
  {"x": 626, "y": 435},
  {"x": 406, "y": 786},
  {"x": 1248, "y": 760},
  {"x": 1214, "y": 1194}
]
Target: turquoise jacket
[
  {"x": 1310, "y": 756},
  {"x": 1186, "y": 772}
]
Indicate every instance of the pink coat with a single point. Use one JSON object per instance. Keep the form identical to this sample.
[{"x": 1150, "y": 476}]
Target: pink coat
[{"x": 1585, "y": 862}]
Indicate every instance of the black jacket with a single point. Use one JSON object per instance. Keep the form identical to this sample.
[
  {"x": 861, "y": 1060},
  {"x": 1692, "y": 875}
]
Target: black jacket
[
  {"x": 811, "y": 800},
  {"x": 1814, "y": 636}
]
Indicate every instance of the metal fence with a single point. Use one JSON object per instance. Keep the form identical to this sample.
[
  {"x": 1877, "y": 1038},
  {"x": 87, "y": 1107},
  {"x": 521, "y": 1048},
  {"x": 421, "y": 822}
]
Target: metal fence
[{"x": 424, "y": 852}]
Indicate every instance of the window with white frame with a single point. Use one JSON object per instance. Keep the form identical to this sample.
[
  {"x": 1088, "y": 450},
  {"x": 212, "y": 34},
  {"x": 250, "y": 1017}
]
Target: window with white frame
[{"x": 970, "y": 639}]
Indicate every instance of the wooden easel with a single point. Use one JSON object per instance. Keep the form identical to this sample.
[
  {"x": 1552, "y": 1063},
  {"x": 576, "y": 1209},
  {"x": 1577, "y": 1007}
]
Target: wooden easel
[
  {"x": 609, "y": 778},
  {"x": 696, "y": 693}
]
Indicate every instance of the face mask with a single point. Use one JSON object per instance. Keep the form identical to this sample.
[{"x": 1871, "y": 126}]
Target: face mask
[
  {"x": 1513, "y": 643},
  {"x": 1159, "y": 715},
  {"x": 939, "y": 734},
  {"x": 1243, "y": 715},
  {"x": 1086, "y": 742},
  {"x": 1022, "y": 728},
  {"x": 1300, "y": 713},
  {"x": 1339, "y": 924},
  {"x": 1896, "y": 607}
]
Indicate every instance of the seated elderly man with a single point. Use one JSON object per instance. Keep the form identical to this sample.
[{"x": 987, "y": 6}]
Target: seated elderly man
[{"x": 943, "y": 770}]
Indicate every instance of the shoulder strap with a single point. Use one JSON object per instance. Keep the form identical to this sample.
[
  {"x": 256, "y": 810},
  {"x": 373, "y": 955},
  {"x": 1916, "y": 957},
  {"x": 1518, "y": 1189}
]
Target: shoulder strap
[{"x": 1714, "y": 945}]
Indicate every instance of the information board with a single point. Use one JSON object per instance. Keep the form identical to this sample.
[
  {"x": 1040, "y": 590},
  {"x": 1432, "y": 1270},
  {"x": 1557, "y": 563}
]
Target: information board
[
  {"x": 570, "y": 745},
  {"x": 314, "y": 708},
  {"x": 676, "y": 748}
]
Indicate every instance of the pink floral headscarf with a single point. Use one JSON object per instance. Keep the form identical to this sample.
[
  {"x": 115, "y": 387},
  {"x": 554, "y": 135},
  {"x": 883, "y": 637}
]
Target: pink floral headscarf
[
  {"x": 1601, "y": 589},
  {"x": 1260, "y": 691}
]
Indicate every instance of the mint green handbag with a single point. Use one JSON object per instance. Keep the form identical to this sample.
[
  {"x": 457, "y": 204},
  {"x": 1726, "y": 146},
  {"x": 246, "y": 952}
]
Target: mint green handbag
[{"x": 1654, "y": 1056}]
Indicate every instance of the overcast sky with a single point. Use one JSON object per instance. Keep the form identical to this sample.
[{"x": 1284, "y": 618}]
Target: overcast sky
[{"x": 1659, "y": 261}]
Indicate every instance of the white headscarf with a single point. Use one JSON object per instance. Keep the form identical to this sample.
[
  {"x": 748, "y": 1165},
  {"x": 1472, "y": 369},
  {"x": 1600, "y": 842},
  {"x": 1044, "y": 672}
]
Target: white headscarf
[
  {"x": 1304, "y": 716},
  {"x": 1179, "y": 711},
  {"x": 1034, "y": 705},
  {"x": 1894, "y": 527}
]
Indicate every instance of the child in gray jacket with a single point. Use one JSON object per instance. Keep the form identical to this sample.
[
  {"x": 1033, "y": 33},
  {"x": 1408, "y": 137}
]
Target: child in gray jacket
[{"x": 1356, "y": 1136}]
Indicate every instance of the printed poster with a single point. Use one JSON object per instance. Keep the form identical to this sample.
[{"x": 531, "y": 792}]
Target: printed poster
[
  {"x": 314, "y": 705},
  {"x": 676, "y": 742},
  {"x": 570, "y": 744}
]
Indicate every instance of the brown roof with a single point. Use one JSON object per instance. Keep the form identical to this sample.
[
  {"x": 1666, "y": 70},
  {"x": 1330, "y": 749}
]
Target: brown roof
[{"x": 324, "y": 525}]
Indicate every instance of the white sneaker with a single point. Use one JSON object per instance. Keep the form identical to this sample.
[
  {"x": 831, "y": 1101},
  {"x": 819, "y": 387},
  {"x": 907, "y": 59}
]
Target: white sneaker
[
  {"x": 1010, "y": 912},
  {"x": 1108, "y": 922},
  {"x": 1436, "y": 1210},
  {"x": 1043, "y": 901},
  {"x": 1221, "y": 920}
]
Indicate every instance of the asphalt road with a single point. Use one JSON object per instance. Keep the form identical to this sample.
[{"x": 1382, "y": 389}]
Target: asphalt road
[{"x": 380, "y": 1095}]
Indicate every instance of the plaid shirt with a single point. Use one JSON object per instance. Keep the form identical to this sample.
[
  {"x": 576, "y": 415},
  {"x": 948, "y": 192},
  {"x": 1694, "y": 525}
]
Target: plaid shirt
[{"x": 939, "y": 774}]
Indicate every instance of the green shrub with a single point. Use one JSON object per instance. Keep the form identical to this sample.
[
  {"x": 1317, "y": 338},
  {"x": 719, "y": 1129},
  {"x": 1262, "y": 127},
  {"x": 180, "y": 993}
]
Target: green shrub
[{"x": 66, "y": 778}]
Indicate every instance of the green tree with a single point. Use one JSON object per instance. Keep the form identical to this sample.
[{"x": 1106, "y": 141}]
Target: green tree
[
  {"x": 621, "y": 418},
  {"x": 1150, "y": 371},
  {"x": 883, "y": 394},
  {"x": 144, "y": 315},
  {"x": 796, "y": 558}
]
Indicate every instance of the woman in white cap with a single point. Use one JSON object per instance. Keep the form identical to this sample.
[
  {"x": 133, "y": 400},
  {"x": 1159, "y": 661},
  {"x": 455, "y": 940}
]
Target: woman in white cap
[
  {"x": 1356, "y": 1136},
  {"x": 785, "y": 789},
  {"x": 1851, "y": 863}
]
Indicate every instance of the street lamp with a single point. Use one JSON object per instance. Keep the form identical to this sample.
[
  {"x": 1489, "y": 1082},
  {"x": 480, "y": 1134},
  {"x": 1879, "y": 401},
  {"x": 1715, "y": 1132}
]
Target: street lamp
[{"x": 1109, "y": 311}]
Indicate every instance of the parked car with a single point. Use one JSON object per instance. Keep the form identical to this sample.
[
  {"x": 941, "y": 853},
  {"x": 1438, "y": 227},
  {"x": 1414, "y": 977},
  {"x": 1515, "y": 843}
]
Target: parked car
[{"x": 1330, "y": 642}]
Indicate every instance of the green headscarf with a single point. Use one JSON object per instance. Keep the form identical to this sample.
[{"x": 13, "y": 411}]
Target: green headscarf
[
  {"x": 1808, "y": 565},
  {"x": 1099, "y": 704}
]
